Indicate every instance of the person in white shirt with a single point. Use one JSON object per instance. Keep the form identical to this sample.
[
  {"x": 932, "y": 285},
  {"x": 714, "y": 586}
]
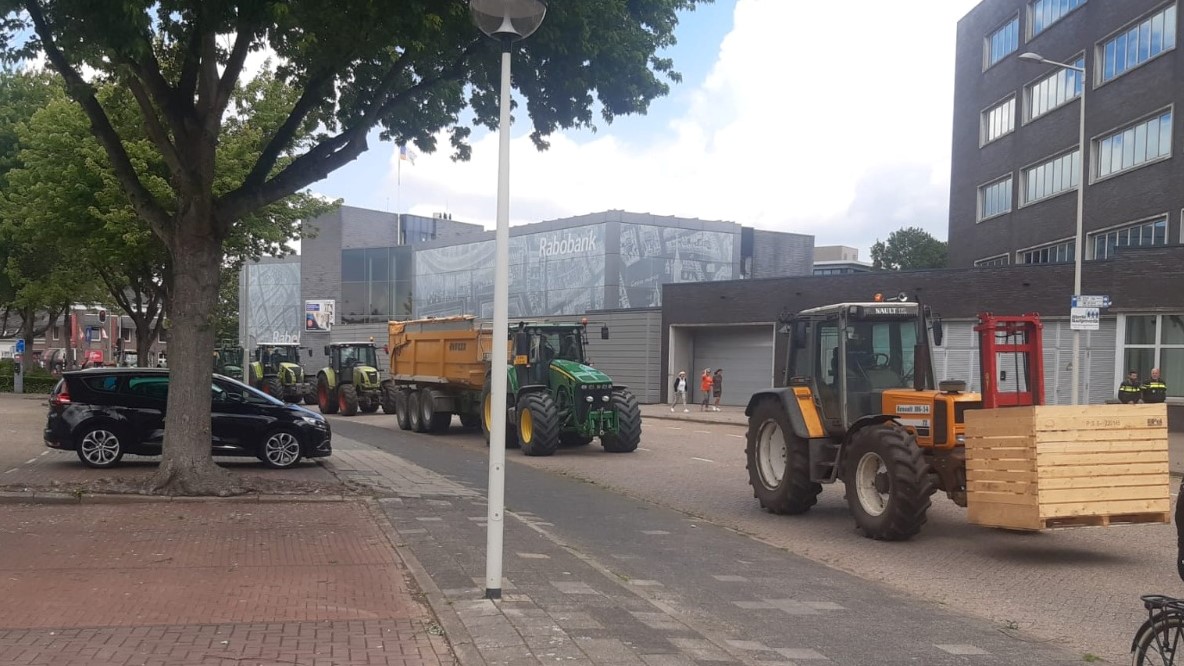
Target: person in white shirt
[{"x": 680, "y": 391}]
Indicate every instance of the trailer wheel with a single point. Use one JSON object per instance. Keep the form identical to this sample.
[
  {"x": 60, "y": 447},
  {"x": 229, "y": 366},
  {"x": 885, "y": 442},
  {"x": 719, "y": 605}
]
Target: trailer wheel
[
  {"x": 628, "y": 435},
  {"x": 888, "y": 484},
  {"x": 487, "y": 417},
  {"x": 470, "y": 421},
  {"x": 538, "y": 424},
  {"x": 403, "y": 408},
  {"x": 387, "y": 391},
  {"x": 778, "y": 462},
  {"x": 433, "y": 420},
  {"x": 413, "y": 413}
]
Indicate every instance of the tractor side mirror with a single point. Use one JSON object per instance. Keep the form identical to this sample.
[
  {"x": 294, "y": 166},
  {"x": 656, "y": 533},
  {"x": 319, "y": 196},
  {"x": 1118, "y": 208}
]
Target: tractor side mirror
[
  {"x": 939, "y": 333},
  {"x": 801, "y": 334},
  {"x": 604, "y": 332},
  {"x": 521, "y": 343},
  {"x": 326, "y": 350}
]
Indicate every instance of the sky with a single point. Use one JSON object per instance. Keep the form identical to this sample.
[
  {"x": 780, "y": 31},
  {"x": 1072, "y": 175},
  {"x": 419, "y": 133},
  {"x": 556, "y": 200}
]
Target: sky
[{"x": 790, "y": 117}]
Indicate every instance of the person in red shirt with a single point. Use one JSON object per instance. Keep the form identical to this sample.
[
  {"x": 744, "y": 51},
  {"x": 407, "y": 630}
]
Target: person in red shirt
[{"x": 705, "y": 383}]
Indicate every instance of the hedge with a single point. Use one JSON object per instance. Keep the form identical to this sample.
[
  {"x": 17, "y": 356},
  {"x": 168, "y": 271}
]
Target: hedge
[{"x": 42, "y": 384}]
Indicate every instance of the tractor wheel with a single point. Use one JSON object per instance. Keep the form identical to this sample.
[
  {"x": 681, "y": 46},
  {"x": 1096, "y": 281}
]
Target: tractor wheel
[
  {"x": 369, "y": 405},
  {"x": 888, "y": 484},
  {"x": 347, "y": 399},
  {"x": 272, "y": 387},
  {"x": 470, "y": 421},
  {"x": 326, "y": 397},
  {"x": 402, "y": 411},
  {"x": 434, "y": 420},
  {"x": 538, "y": 424},
  {"x": 574, "y": 439},
  {"x": 628, "y": 434},
  {"x": 310, "y": 398},
  {"x": 778, "y": 462},
  {"x": 414, "y": 415},
  {"x": 487, "y": 417},
  {"x": 387, "y": 391}
]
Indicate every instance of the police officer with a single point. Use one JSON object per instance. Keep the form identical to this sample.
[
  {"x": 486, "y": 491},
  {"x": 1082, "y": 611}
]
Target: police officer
[
  {"x": 1154, "y": 389},
  {"x": 1131, "y": 389}
]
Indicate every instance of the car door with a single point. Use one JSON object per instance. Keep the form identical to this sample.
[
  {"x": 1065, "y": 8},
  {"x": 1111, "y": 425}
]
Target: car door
[
  {"x": 238, "y": 421},
  {"x": 146, "y": 397}
]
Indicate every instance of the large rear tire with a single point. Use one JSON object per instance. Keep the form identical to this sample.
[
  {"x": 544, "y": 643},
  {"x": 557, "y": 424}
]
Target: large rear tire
[
  {"x": 326, "y": 397},
  {"x": 402, "y": 409},
  {"x": 778, "y": 462},
  {"x": 538, "y": 424},
  {"x": 347, "y": 399},
  {"x": 434, "y": 421},
  {"x": 487, "y": 417},
  {"x": 628, "y": 435},
  {"x": 888, "y": 483},
  {"x": 414, "y": 415}
]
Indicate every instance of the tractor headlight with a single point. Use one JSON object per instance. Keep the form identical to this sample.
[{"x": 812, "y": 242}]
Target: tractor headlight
[
  {"x": 588, "y": 398},
  {"x": 604, "y": 398},
  {"x": 960, "y": 439}
]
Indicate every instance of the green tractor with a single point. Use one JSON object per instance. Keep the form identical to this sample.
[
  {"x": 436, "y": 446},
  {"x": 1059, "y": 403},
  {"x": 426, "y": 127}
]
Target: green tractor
[
  {"x": 228, "y": 361},
  {"x": 276, "y": 371},
  {"x": 352, "y": 381},
  {"x": 554, "y": 397}
]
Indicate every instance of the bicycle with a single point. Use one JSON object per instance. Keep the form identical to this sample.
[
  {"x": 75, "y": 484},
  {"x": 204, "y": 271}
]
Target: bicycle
[{"x": 1158, "y": 639}]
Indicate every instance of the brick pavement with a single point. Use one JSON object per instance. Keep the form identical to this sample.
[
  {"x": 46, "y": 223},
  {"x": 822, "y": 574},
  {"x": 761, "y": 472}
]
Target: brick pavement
[{"x": 191, "y": 583}]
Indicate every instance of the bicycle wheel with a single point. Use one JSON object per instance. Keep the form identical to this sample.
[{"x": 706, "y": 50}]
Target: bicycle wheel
[{"x": 1158, "y": 641}]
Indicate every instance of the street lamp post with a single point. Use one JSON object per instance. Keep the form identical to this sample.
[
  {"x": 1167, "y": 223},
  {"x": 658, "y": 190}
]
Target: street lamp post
[
  {"x": 1079, "y": 242},
  {"x": 506, "y": 21}
]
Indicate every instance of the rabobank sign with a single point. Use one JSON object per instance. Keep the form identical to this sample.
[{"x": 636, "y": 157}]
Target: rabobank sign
[{"x": 568, "y": 245}]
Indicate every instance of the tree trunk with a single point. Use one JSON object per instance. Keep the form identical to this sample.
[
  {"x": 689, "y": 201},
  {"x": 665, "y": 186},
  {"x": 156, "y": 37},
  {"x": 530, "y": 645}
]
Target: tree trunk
[
  {"x": 187, "y": 466},
  {"x": 143, "y": 343}
]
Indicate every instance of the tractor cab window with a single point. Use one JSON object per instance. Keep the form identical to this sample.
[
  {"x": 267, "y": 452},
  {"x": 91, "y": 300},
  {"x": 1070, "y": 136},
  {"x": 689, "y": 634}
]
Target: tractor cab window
[
  {"x": 277, "y": 355},
  {"x": 570, "y": 348},
  {"x": 879, "y": 356},
  {"x": 357, "y": 355}
]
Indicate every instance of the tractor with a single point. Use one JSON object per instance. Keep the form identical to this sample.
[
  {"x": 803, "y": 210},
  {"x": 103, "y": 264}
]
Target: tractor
[
  {"x": 228, "y": 361},
  {"x": 554, "y": 397},
  {"x": 352, "y": 381},
  {"x": 276, "y": 371},
  {"x": 858, "y": 403}
]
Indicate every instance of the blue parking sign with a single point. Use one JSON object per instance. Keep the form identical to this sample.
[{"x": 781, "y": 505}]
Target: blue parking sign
[{"x": 20, "y": 347}]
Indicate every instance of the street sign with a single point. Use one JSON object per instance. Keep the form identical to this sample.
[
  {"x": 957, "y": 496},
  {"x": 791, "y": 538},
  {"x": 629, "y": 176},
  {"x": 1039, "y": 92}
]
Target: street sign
[
  {"x": 1085, "y": 319},
  {"x": 1090, "y": 302},
  {"x": 20, "y": 346}
]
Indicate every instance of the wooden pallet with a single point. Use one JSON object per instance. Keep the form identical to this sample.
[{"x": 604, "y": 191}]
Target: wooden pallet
[{"x": 1034, "y": 468}]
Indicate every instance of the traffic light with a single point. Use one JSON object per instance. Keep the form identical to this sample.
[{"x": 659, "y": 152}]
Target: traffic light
[{"x": 102, "y": 316}]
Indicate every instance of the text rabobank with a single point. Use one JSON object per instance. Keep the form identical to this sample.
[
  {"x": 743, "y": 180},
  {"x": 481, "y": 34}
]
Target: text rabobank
[{"x": 569, "y": 245}]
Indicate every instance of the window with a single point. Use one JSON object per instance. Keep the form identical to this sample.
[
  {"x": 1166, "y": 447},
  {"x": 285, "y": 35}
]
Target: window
[
  {"x": 103, "y": 384},
  {"x": 1043, "y": 13},
  {"x": 1055, "y": 90},
  {"x": 1103, "y": 244},
  {"x": 156, "y": 387},
  {"x": 1056, "y": 253},
  {"x": 1127, "y": 148},
  {"x": 1003, "y": 42},
  {"x": 1139, "y": 43},
  {"x": 998, "y": 260},
  {"x": 994, "y": 199},
  {"x": 998, "y": 120},
  {"x": 1053, "y": 177},
  {"x": 1156, "y": 341},
  {"x": 57, "y": 332}
]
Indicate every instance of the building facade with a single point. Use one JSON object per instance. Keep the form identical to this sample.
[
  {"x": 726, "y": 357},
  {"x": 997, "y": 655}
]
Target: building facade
[{"x": 1016, "y": 161}]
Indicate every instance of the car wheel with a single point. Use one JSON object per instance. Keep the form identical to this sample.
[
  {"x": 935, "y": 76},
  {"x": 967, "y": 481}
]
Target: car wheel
[
  {"x": 99, "y": 446},
  {"x": 280, "y": 450}
]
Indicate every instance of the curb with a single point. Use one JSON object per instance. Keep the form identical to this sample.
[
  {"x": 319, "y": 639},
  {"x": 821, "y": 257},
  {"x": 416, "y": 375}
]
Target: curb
[
  {"x": 58, "y": 497},
  {"x": 686, "y": 419}
]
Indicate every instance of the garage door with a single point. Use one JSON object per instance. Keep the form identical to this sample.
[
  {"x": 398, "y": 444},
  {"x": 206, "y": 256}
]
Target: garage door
[{"x": 746, "y": 355}]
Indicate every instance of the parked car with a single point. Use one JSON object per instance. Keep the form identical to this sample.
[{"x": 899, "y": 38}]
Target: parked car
[{"x": 104, "y": 413}]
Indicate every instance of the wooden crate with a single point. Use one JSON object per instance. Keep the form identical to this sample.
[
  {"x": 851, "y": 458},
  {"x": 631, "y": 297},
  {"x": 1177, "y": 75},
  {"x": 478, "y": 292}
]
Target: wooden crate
[{"x": 1031, "y": 468}]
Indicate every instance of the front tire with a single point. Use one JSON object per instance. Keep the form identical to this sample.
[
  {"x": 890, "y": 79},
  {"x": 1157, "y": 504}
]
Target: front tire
[
  {"x": 310, "y": 398},
  {"x": 272, "y": 387},
  {"x": 326, "y": 397},
  {"x": 538, "y": 424},
  {"x": 888, "y": 484},
  {"x": 99, "y": 446},
  {"x": 280, "y": 450},
  {"x": 347, "y": 400},
  {"x": 628, "y": 435},
  {"x": 778, "y": 462},
  {"x": 1158, "y": 641}
]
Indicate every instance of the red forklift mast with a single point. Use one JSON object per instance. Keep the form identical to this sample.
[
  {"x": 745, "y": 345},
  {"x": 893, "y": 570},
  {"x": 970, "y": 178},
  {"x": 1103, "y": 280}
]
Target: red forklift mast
[{"x": 1011, "y": 344}]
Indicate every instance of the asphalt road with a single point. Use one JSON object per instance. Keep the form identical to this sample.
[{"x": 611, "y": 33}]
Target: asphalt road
[{"x": 712, "y": 575}]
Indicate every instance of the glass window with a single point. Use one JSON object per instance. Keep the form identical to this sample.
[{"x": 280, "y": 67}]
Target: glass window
[
  {"x": 1171, "y": 368},
  {"x": 378, "y": 264},
  {"x": 1003, "y": 42},
  {"x": 380, "y": 299},
  {"x": 1055, "y": 90},
  {"x": 1153, "y": 232},
  {"x": 1157, "y": 341},
  {"x": 354, "y": 298},
  {"x": 156, "y": 387},
  {"x": 994, "y": 199},
  {"x": 353, "y": 265},
  {"x": 1173, "y": 331},
  {"x": 1053, "y": 177},
  {"x": 106, "y": 384},
  {"x": 1048, "y": 254},
  {"x": 1140, "y": 330},
  {"x": 1044, "y": 13},
  {"x": 1144, "y": 41},
  {"x": 1001, "y": 260},
  {"x": 1130, "y": 147},
  {"x": 999, "y": 120}
]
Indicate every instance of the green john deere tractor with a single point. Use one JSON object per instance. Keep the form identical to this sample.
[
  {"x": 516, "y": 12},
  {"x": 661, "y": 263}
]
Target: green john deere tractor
[
  {"x": 554, "y": 397},
  {"x": 228, "y": 361},
  {"x": 352, "y": 381},
  {"x": 276, "y": 371}
]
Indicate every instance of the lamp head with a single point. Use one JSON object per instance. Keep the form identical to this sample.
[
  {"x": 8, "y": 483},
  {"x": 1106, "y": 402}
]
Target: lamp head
[
  {"x": 508, "y": 19},
  {"x": 1032, "y": 57}
]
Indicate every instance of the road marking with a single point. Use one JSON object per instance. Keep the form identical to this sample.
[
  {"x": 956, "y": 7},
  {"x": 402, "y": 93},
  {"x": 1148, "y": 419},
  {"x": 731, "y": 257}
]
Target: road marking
[
  {"x": 10, "y": 471},
  {"x": 703, "y": 432},
  {"x": 642, "y": 448},
  {"x": 737, "y": 436},
  {"x": 674, "y": 427},
  {"x": 703, "y": 460},
  {"x": 30, "y": 461},
  {"x": 44, "y": 452}
]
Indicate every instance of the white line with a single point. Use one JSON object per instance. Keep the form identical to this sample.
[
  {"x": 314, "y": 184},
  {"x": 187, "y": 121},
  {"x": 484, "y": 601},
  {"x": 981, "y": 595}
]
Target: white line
[
  {"x": 703, "y": 460},
  {"x": 11, "y": 471},
  {"x": 703, "y": 432},
  {"x": 737, "y": 436},
  {"x": 674, "y": 427},
  {"x": 44, "y": 452},
  {"x": 30, "y": 461},
  {"x": 642, "y": 448}
]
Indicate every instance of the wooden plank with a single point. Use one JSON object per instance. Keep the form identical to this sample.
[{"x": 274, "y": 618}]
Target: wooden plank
[
  {"x": 1154, "y": 445},
  {"x": 1160, "y": 467},
  {"x": 1008, "y": 498},
  {"x": 1100, "y": 495},
  {"x": 1013, "y": 487},
  {"x": 1105, "y": 481},
  {"x": 1162, "y": 517},
  {"x": 1100, "y": 508},
  {"x": 1103, "y": 458},
  {"x": 1008, "y": 465},
  {"x": 1003, "y": 475},
  {"x": 1040, "y": 437},
  {"x": 1001, "y": 515}
]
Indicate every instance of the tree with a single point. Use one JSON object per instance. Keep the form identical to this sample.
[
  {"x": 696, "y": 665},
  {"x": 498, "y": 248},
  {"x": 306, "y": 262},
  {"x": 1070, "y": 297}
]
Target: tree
[
  {"x": 351, "y": 66},
  {"x": 911, "y": 248}
]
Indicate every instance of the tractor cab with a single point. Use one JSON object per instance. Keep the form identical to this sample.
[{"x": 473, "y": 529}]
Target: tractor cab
[
  {"x": 275, "y": 370},
  {"x": 228, "y": 361},
  {"x": 345, "y": 356},
  {"x": 548, "y": 343},
  {"x": 274, "y": 356}
]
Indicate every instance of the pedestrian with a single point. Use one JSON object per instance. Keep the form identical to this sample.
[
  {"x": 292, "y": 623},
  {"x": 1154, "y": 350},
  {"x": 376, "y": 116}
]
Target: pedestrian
[
  {"x": 705, "y": 386},
  {"x": 1131, "y": 389},
  {"x": 1155, "y": 390},
  {"x": 680, "y": 391},
  {"x": 717, "y": 386}
]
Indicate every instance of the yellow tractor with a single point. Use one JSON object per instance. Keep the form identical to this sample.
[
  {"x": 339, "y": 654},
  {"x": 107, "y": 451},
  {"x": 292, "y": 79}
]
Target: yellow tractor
[{"x": 859, "y": 404}]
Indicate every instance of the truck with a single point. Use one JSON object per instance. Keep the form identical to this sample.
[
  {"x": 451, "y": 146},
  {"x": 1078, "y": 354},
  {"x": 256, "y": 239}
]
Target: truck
[{"x": 441, "y": 367}]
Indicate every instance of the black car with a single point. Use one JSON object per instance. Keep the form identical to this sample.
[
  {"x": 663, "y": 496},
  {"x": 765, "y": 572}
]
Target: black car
[{"x": 104, "y": 413}]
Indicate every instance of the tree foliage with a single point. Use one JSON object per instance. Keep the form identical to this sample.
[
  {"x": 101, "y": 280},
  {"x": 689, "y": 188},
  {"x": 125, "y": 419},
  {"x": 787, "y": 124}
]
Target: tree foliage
[
  {"x": 348, "y": 66},
  {"x": 911, "y": 248}
]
